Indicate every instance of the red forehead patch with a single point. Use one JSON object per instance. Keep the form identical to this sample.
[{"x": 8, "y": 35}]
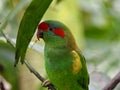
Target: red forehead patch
[
  {"x": 60, "y": 32},
  {"x": 43, "y": 26}
]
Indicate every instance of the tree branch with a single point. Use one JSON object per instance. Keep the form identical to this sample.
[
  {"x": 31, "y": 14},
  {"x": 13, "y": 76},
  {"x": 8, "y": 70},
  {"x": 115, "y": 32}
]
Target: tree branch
[
  {"x": 8, "y": 40},
  {"x": 31, "y": 69},
  {"x": 114, "y": 82}
]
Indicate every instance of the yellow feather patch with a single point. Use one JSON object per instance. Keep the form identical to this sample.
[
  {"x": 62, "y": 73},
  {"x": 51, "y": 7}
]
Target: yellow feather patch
[{"x": 77, "y": 65}]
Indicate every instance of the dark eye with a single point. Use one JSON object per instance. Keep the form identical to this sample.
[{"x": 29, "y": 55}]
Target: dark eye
[{"x": 50, "y": 29}]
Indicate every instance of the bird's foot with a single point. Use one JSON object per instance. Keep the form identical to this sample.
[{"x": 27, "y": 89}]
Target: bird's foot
[{"x": 46, "y": 83}]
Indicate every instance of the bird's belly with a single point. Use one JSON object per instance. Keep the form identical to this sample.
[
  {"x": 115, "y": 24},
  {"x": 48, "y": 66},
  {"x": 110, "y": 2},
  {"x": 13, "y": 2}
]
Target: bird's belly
[{"x": 60, "y": 74}]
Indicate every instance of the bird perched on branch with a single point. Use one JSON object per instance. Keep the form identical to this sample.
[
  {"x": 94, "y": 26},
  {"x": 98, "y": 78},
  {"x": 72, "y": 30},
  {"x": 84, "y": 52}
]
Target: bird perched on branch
[{"x": 64, "y": 62}]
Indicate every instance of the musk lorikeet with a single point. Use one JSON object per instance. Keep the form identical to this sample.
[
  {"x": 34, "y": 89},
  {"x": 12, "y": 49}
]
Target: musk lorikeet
[{"x": 64, "y": 62}]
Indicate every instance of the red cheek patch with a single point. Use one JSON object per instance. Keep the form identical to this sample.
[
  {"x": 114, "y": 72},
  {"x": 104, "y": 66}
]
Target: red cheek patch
[
  {"x": 60, "y": 32},
  {"x": 43, "y": 26}
]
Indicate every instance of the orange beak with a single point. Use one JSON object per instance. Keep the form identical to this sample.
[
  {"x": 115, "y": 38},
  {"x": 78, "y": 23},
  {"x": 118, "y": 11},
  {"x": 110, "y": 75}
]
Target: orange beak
[{"x": 39, "y": 34}]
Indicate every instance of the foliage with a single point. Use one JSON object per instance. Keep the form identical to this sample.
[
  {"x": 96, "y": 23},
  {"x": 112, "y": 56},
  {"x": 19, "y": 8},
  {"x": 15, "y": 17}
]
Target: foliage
[
  {"x": 28, "y": 26},
  {"x": 103, "y": 36},
  {"x": 6, "y": 63}
]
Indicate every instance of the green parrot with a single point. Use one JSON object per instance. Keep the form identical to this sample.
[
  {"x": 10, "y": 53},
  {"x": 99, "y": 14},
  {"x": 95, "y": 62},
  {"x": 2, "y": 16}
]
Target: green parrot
[{"x": 64, "y": 62}]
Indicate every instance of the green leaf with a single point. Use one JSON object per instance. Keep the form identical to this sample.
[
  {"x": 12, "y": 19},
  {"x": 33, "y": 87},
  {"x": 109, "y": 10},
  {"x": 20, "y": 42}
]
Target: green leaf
[
  {"x": 30, "y": 20},
  {"x": 6, "y": 65}
]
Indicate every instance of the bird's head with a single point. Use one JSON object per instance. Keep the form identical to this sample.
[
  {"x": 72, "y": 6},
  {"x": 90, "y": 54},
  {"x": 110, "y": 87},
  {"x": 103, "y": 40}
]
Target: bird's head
[
  {"x": 51, "y": 29},
  {"x": 54, "y": 32}
]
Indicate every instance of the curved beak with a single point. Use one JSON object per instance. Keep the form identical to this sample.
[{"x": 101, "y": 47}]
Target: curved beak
[{"x": 39, "y": 34}]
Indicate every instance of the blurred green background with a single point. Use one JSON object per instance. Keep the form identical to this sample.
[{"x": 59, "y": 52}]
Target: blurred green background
[{"x": 95, "y": 25}]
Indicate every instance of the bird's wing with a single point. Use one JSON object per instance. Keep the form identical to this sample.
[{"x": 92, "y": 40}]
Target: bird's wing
[{"x": 80, "y": 69}]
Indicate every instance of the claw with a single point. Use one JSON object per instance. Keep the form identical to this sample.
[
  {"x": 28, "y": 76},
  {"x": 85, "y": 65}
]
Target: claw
[{"x": 46, "y": 83}]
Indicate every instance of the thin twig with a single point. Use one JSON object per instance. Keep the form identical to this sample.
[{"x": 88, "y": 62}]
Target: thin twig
[
  {"x": 8, "y": 40},
  {"x": 114, "y": 82},
  {"x": 32, "y": 70}
]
